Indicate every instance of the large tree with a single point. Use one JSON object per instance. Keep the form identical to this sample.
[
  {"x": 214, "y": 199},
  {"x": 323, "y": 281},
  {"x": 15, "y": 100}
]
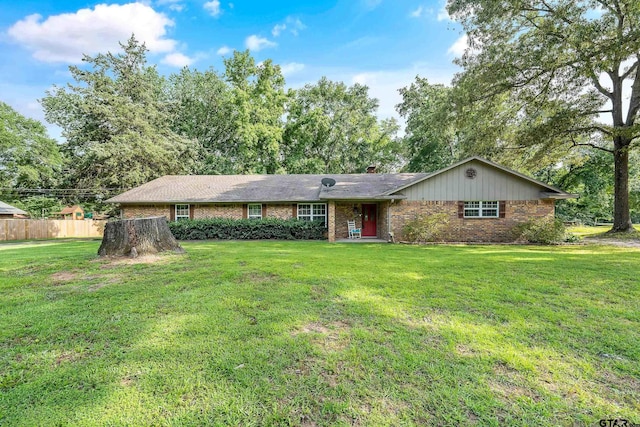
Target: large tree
[
  {"x": 333, "y": 128},
  {"x": 564, "y": 65},
  {"x": 431, "y": 139},
  {"x": 257, "y": 100},
  {"x": 442, "y": 128},
  {"x": 202, "y": 110},
  {"x": 116, "y": 122},
  {"x": 28, "y": 156}
]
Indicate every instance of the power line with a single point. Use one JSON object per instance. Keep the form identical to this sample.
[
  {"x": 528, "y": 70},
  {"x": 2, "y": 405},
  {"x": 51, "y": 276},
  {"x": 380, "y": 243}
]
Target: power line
[{"x": 97, "y": 193}]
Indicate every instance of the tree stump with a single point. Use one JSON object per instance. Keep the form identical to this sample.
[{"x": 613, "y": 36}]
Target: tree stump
[{"x": 139, "y": 236}]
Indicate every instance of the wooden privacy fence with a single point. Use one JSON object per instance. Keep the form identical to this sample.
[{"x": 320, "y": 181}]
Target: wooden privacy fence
[{"x": 26, "y": 229}]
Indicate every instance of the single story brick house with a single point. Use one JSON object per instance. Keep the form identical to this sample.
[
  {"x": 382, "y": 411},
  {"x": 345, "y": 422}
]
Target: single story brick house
[{"x": 483, "y": 199}]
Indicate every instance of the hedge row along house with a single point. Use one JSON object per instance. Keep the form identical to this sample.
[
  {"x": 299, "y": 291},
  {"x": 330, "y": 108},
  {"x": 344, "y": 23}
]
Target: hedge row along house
[{"x": 483, "y": 200}]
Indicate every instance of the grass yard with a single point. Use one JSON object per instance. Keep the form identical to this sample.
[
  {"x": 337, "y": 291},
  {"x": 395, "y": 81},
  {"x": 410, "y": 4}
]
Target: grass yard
[
  {"x": 316, "y": 334},
  {"x": 600, "y": 231}
]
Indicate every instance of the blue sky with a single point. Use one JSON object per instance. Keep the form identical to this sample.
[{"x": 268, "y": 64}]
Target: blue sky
[{"x": 381, "y": 43}]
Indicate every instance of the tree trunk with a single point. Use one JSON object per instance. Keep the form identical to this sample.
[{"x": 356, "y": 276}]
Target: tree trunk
[
  {"x": 140, "y": 236},
  {"x": 621, "y": 215}
]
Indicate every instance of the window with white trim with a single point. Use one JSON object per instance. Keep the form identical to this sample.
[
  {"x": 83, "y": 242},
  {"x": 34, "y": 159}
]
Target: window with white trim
[
  {"x": 481, "y": 209},
  {"x": 313, "y": 212},
  {"x": 254, "y": 211},
  {"x": 182, "y": 212}
]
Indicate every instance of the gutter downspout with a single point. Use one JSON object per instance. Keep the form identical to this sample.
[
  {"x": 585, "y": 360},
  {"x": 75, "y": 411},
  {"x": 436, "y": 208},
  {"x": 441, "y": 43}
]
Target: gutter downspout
[{"x": 390, "y": 232}]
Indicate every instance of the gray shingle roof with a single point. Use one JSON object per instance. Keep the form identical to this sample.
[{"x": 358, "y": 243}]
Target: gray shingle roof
[
  {"x": 290, "y": 188},
  {"x": 264, "y": 188},
  {"x": 6, "y": 209}
]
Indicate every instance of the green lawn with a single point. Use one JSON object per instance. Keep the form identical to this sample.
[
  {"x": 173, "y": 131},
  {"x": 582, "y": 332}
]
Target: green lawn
[
  {"x": 314, "y": 334},
  {"x": 600, "y": 231}
]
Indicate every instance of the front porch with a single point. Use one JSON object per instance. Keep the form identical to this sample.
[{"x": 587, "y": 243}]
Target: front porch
[
  {"x": 363, "y": 240},
  {"x": 371, "y": 216}
]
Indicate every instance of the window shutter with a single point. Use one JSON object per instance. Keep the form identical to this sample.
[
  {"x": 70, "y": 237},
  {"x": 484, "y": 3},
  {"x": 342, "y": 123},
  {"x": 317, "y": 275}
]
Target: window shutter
[
  {"x": 503, "y": 208},
  {"x": 264, "y": 211},
  {"x": 192, "y": 211},
  {"x": 244, "y": 211},
  {"x": 294, "y": 211},
  {"x": 172, "y": 213},
  {"x": 460, "y": 209}
]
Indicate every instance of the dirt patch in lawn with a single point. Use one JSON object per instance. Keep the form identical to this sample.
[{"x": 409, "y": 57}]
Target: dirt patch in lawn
[
  {"x": 108, "y": 262},
  {"x": 257, "y": 277},
  {"x": 63, "y": 277},
  {"x": 333, "y": 336},
  {"x": 466, "y": 351},
  {"x": 507, "y": 383},
  {"x": 102, "y": 284},
  {"x": 67, "y": 356},
  {"x": 319, "y": 328},
  {"x": 129, "y": 380}
]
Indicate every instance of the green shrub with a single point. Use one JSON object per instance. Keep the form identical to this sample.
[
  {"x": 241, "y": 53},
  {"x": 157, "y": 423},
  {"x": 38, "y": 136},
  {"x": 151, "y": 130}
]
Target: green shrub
[
  {"x": 572, "y": 238},
  {"x": 547, "y": 231},
  {"x": 247, "y": 229},
  {"x": 425, "y": 228}
]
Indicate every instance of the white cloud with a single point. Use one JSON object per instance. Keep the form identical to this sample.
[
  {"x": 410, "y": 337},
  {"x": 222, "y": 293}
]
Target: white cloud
[
  {"x": 177, "y": 59},
  {"x": 291, "y": 68},
  {"x": 384, "y": 85},
  {"x": 295, "y": 25},
  {"x": 370, "y": 4},
  {"x": 213, "y": 7},
  {"x": 257, "y": 43},
  {"x": 417, "y": 13},
  {"x": 277, "y": 29},
  {"x": 292, "y": 23},
  {"x": 459, "y": 46},
  {"x": 174, "y": 5},
  {"x": 66, "y": 37},
  {"x": 443, "y": 15},
  {"x": 223, "y": 50}
]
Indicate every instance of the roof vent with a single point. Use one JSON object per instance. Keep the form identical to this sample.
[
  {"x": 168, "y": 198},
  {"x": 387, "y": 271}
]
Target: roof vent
[{"x": 328, "y": 182}]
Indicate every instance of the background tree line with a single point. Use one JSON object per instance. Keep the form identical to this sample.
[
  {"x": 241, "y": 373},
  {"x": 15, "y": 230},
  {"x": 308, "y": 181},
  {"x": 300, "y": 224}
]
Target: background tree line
[{"x": 542, "y": 90}]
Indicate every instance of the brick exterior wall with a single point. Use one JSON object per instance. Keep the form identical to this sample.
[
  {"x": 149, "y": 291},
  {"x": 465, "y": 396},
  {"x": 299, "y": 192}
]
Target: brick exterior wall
[
  {"x": 331, "y": 221},
  {"x": 228, "y": 211},
  {"x": 471, "y": 229},
  {"x": 383, "y": 221},
  {"x": 280, "y": 211},
  {"x": 145, "y": 211},
  {"x": 458, "y": 229}
]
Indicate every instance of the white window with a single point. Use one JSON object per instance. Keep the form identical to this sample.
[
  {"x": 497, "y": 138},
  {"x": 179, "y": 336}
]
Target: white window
[
  {"x": 481, "y": 209},
  {"x": 182, "y": 212},
  {"x": 313, "y": 212},
  {"x": 254, "y": 211}
]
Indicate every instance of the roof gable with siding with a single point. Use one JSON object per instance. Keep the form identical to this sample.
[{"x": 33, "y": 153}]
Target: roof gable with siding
[{"x": 491, "y": 182}]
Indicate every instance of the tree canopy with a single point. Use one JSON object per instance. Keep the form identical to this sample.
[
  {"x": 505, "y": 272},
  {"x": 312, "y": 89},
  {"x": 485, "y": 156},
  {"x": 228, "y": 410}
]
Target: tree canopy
[
  {"x": 562, "y": 64},
  {"x": 116, "y": 122},
  {"x": 333, "y": 128},
  {"x": 28, "y": 156}
]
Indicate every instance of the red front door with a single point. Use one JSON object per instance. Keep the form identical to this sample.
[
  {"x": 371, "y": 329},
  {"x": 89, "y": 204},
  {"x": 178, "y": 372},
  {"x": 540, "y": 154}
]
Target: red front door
[{"x": 369, "y": 214}]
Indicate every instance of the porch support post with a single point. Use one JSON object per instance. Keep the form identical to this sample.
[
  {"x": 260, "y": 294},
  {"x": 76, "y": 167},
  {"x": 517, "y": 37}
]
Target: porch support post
[{"x": 331, "y": 221}]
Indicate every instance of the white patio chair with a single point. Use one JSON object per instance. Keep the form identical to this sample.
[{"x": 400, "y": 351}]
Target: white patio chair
[{"x": 354, "y": 233}]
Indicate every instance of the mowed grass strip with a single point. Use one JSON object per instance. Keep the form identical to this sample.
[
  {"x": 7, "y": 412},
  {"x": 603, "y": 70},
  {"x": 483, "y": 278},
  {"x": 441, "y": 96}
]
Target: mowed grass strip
[{"x": 318, "y": 334}]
